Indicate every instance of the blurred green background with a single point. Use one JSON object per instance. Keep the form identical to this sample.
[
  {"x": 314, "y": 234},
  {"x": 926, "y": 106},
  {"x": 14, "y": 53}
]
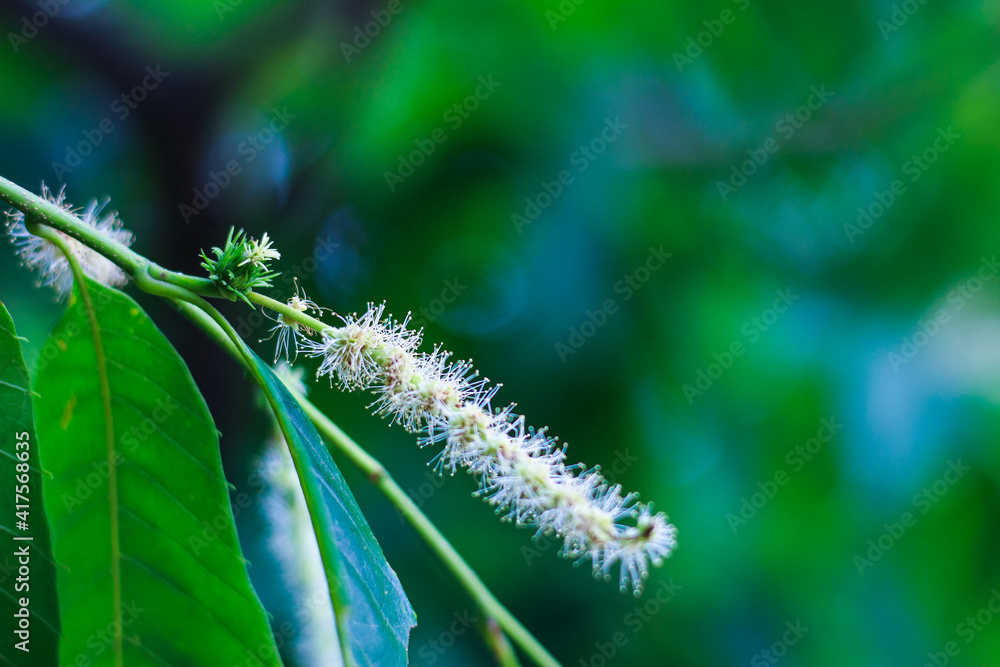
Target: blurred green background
[{"x": 823, "y": 177}]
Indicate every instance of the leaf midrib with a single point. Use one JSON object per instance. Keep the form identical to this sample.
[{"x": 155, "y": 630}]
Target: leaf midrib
[{"x": 109, "y": 434}]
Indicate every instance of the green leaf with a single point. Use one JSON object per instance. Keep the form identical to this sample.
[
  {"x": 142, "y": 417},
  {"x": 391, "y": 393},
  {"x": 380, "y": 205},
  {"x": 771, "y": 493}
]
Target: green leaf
[
  {"x": 17, "y": 437},
  {"x": 363, "y": 585},
  {"x": 140, "y": 511}
]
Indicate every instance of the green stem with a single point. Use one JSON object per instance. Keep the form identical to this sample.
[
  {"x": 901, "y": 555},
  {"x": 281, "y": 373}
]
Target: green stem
[
  {"x": 376, "y": 473},
  {"x": 39, "y": 210},
  {"x": 289, "y": 312},
  {"x": 497, "y": 641}
]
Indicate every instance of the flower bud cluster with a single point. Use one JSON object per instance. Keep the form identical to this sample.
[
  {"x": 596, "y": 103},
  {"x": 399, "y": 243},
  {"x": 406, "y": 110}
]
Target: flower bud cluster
[{"x": 240, "y": 265}]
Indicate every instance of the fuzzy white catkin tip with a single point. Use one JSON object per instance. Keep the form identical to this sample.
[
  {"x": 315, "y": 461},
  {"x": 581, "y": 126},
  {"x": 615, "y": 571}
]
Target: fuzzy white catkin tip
[
  {"x": 48, "y": 261},
  {"x": 522, "y": 472},
  {"x": 293, "y": 542}
]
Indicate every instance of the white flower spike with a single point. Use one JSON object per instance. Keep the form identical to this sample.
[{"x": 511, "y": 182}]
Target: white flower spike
[
  {"x": 53, "y": 268},
  {"x": 522, "y": 472}
]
